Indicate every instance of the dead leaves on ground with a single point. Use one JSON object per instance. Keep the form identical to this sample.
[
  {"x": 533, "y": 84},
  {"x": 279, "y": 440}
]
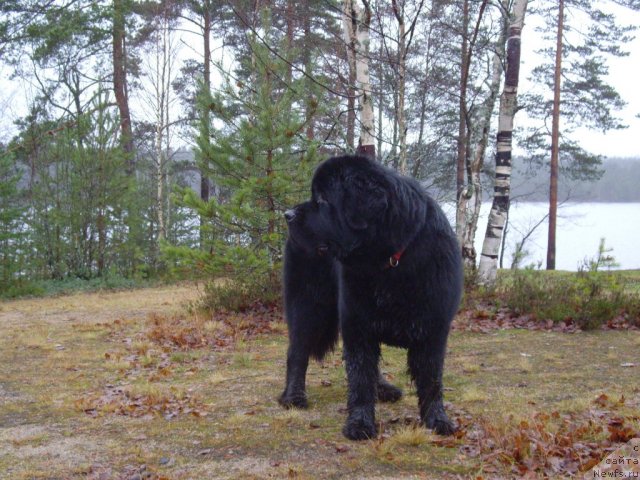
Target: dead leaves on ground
[
  {"x": 161, "y": 349},
  {"x": 147, "y": 402},
  {"x": 221, "y": 331},
  {"x": 552, "y": 445},
  {"x": 487, "y": 318},
  {"x": 184, "y": 332},
  {"x": 549, "y": 445}
]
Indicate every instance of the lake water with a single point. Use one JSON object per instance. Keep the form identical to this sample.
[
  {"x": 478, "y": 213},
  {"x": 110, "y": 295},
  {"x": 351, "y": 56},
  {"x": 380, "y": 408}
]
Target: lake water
[{"x": 579, "y": 230}]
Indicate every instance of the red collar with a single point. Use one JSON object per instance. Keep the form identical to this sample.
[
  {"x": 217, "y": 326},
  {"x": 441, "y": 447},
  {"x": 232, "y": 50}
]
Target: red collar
[{"x": 394, "y": 260}]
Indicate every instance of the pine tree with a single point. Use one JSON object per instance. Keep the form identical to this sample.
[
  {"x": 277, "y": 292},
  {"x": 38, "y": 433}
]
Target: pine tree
[
  {"x": 259, "y": 162},
  {"x": 78, "y": 194},
  {"x": 584, "y": 35}
]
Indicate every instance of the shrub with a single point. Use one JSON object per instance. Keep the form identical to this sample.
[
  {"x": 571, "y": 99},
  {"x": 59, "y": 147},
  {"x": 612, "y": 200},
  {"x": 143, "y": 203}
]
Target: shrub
[
  {"x": 590, "y": 297},
  {"x": 241, "y": 294},
  {"x": 20, "y": 289}
]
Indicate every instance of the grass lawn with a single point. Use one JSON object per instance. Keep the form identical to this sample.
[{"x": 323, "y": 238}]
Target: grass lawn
[{"x": 126, "y": 385}]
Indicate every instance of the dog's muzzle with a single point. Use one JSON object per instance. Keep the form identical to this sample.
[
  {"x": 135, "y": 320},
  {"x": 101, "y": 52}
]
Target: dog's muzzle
[{"x": 289, "y": 215}]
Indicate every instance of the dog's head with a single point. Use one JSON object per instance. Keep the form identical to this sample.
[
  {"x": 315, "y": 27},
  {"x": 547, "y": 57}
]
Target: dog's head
[
  {"x": 352, "y": 213},
  {"x": 307, "y": 228}
]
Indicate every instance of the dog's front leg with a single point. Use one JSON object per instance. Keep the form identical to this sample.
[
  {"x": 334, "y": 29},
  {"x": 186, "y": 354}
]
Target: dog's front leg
[
  {"x": 361, "y": 360},
  {"x": 425, "y": 365}
]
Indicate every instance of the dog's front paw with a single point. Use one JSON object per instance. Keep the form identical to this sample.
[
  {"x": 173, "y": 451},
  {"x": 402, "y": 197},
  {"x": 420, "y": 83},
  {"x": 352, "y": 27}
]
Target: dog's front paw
[
  {"x": 444, "y": 427},
  {"x": 296, "y": 400},
  {"x": 440, "y": 423}
]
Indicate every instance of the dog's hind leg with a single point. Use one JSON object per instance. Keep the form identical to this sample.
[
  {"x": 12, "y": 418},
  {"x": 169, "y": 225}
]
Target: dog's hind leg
[
  {"x": 294, "y": 394},
  {"x": 315, "y": 341},
  {"x": 387, "y": 392},
  {"x": 314, "y": 338},
  {"x": 311, "y": 312}
]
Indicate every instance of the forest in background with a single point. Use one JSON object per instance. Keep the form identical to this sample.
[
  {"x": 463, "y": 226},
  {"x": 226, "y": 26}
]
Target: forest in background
[
  {"x": 617, "y": 183},
  {"x": 94, "y": 184}
]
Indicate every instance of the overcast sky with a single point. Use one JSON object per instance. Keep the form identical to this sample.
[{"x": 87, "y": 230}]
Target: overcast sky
[{"x": 624, "y": 74}]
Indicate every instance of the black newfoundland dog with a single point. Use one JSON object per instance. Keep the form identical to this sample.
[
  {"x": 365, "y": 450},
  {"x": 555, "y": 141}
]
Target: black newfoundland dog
[{"x": 374, "y": 257}]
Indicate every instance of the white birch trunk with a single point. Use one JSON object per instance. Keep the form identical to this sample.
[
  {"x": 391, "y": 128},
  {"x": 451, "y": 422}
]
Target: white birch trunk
[
  {"x": 402, "y": 68},
  {"x": 461, "y": 142},
  {"x": 160, "y": 101},
  {"x": 356, "y": 24},
  {"x": 350, "y": 26},
  {"x": 471, "y": 197},
  {"x": 499, "y": 210},
  {"x": 160, "y": 73}
]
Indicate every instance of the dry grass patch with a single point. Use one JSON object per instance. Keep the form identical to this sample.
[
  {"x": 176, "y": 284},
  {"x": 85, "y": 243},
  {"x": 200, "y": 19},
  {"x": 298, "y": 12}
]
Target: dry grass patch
[
  {"x": 134, "y": 385},
  {"x": 33, "y": 437},
  {"x": 525, "y": 365},
  {"x": 472, "y": 394},
  {"x": 411, "y": 436}
]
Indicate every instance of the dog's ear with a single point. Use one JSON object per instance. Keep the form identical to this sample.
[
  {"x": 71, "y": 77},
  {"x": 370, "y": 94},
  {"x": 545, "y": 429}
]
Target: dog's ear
[{"x": 366, "y": 200}]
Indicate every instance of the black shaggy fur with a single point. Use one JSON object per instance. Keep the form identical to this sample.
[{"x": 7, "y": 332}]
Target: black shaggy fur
[{"x": 338, "y": 275}]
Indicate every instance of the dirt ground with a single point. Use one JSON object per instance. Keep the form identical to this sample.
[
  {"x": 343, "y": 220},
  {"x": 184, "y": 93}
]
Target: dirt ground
[{"x": 128, "y": 385}]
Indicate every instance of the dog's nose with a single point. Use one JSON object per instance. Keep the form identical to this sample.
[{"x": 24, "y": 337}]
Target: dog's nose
[{"x": 289, "y": 215}]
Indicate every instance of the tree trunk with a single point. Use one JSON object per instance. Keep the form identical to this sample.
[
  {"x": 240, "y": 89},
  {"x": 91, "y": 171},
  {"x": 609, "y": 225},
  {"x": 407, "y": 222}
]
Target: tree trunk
[
  {"x": 461, "y": 146},
  {"x": 380, "y": 103},
  {"x": 555, "y": 144},
  {"x": 423, "y": 112},
  {"x": 205, "y": 186},
  {"x": 473, "y": 192},
  {"x": 350, "y": 23},
  {"x": 502, "y": 184},
  {"x": 402, "y": 68},
  {"x": 366, "y": 145},
  {"x": 120, "y": 82},
  {"x": 162, "y": 80},
  {"x": 206, "y": 34},
  {"x": 161, "y": 59},
  {"x": 160, "y": 189},
  {"x": 308, "y": 70},
  {"x": 463, "y": 162},
  {"x": 357, "y": 22}
]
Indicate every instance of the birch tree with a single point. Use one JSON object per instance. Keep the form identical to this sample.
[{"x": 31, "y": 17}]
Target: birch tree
[
  {"x": 470, "y": 199},
  {"x": 349, "y": 21},
  {"x": 502, "y": 184},
  {"x": 405, "y": 37},
  {"x": 201, "y": 14},
  {"x": 402, "y": 73},
  {"x": 464, "y": 129},
  {"x": 357, "y": 21},
  {"x": 461, "y": 142},
  {"x": 160, "y": 72}
]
